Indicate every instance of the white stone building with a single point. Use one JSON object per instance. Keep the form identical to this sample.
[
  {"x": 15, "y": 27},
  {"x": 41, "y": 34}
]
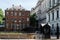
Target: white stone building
[
  {"x": 53, "y": 14},
  {"x": 48, "y": 11},
  {"x": 41, "y": 15},
  {"x": 40, "y": 12},
  {"x": 43, "y": 12}
]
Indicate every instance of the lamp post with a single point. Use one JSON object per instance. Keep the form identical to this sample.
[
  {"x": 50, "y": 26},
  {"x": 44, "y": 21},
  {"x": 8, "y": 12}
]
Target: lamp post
[{"x": 57, "y": 31}]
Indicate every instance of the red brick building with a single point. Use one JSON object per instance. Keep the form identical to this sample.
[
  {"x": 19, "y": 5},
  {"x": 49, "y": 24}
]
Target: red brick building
[{"x": 17, "y": 18}]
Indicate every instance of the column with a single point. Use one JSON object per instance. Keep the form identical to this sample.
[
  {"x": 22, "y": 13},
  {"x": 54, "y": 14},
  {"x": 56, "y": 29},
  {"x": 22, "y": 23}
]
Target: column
[
  {"x": 51, "y": 3},
  {"x": 48, "y": 4},
  {"x": 50, "y": 16},
  {"x": 47, "y": 17},
  {"x": 59, "y": 1},
  {"x": 55, "y": 1},
  {"x": 59, "y": 12},
  {"x": 55, "y": 15}
]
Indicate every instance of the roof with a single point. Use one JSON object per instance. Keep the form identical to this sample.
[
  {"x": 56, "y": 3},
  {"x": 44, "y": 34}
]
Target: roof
[
  {"x": 16, "y": 7},
  {"x": 45, "y": 24}
]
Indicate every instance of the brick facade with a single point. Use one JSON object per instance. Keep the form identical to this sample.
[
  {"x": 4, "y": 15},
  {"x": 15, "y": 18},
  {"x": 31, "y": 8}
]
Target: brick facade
[{"x": 16, "y": 19}]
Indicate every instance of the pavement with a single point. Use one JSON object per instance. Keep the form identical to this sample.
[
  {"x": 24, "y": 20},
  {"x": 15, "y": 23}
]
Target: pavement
[
  {"x": 29, "y": 39},
  {"x": 17, "y": 35}
]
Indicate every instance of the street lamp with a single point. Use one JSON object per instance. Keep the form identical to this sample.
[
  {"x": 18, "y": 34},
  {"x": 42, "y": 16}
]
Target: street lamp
[{"x": 57, "y": 31}]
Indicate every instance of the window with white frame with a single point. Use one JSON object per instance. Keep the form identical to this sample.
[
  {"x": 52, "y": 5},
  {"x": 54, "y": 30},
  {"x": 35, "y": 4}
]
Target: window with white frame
[
  {"x": 19, "y": 20},
  {"x": 17, "y": 26},
  {"x": 20, "y": 14},
  {"x": 15, "y": 21},
  {"x": 15, "y": 14},
  {"x": 11, "y": 13},
  {"x": 27, "y": 19},
  {"x": 7, "y": 13}
]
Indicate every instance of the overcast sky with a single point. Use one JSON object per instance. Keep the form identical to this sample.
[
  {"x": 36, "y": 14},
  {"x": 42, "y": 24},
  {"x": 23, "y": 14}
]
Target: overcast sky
[{"x": 28, "y": 4}]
